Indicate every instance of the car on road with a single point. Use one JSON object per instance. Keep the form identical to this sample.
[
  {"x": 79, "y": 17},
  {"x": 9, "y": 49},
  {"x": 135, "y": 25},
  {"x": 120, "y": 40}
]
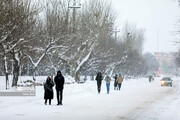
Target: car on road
[{"x": 166, "y": 81}]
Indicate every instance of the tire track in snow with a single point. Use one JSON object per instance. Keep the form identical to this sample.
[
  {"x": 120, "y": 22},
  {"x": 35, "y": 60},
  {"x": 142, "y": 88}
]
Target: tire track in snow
[{"x": 139, "y": 110}]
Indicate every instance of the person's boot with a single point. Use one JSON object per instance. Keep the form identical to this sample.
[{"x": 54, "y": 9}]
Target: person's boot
[
  {"x": 45, "y": 102},
  {"x": 49, "y": 101},
  {"x": 60, "y": 103}
]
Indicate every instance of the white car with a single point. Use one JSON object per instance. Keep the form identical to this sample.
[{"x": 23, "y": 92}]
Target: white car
[{"x": 166, "y": 81}]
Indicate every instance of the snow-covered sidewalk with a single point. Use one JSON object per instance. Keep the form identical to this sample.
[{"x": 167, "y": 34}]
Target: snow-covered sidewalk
[{"x": 82, "y": 102}]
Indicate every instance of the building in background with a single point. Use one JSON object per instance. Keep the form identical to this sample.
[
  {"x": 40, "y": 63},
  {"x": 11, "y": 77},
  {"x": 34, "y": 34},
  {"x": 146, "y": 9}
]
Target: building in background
[{"x": 166, "y": 62}]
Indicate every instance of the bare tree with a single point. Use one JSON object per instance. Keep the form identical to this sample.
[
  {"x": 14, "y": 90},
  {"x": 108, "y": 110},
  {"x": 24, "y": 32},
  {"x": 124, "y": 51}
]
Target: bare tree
[
  {"x": 53, "y": 39},
  {"x": 96, "y": 18},
  {"x": 17, "y": 18}
]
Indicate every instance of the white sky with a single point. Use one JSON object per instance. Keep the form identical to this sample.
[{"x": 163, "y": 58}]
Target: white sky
[{"x": 155, "y": 16}]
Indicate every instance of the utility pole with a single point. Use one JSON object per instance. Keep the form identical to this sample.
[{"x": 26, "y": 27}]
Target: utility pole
[
  {"x": 116, "y": 31},
  {"x": 127, "y": 46},
  {"x": 74, "y": 7}
]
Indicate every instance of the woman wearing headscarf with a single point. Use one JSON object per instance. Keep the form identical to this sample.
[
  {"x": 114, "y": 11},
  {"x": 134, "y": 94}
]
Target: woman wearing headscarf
[
  {"x": 48, "y": 90},
  {"x": 108, "y": 80}
]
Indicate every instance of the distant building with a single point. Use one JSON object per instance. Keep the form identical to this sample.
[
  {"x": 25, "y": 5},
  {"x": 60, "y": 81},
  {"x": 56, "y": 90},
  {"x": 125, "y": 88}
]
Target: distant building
[{"x": 166, "y": 61}]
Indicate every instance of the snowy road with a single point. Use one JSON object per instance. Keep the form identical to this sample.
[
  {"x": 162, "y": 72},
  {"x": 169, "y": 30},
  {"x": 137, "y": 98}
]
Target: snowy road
[
  {"x": 165, "y": 108},
  {"x": 138, "y": 100}
]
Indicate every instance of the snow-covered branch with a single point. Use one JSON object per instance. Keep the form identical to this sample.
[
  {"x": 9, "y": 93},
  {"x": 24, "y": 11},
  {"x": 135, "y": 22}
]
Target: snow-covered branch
[
  {"x": 7, "y": 34},
  {"x": 84, "y": 60}
]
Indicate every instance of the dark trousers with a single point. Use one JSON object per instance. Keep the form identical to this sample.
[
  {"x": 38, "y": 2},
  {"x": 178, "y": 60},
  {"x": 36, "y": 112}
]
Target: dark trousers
[
  {"x": 115, "y": 87},
  {"x": 99, "y": 87},
  {"x": 49, "y": 101},
  {"x": 119, "y": 86},
  {"x": 59, "y": 98}
]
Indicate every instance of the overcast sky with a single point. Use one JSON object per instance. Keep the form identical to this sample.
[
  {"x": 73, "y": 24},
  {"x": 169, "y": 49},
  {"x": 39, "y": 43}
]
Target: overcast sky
[{"x": 158, "y": 18}]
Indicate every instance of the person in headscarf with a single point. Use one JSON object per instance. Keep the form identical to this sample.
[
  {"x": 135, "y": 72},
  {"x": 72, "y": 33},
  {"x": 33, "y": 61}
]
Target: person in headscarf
[{"x": 48, "y": 90}]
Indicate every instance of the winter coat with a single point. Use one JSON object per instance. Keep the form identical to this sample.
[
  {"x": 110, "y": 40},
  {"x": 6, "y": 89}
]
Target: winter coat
[
  {"x": 115, "y": 81},
  {"x": 99, "y": 78},
  {"x": 108, "y": 79},
  {"x": 48, "y": 88},
  {"x": 150, "y": 77},
  {"x": 119, "y": 79},
  {"x": 59, "y": 81}
]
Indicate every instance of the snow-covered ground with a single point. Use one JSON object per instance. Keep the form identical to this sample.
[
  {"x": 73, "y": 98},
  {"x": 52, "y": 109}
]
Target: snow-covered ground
[
  {"x": 138, "y": 99},
  {"x": 165, "y": 108}
]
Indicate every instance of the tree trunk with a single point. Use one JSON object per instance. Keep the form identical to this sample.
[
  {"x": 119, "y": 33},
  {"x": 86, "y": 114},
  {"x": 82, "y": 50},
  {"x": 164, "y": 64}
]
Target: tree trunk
[
  {"x": 68, "y": 70},
  {"x": 15, "y": 73},
  {"x": 85, "y": 77},
  {"x": 6, "y": 72},
  {"x": 34, "y": 74},
  {"x": 77, "y": 75},
  {"x": 52, "y": 73},
  {"x": 92, "y": 77},
  {"x": 7, "y": 81}
]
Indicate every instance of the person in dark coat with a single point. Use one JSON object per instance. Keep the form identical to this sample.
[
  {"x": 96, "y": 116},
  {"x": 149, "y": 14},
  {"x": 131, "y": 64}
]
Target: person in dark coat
[
  {"x": 48, "y": 88},
  {"x": 99, "y": 81},
  {"x": 115, "y": 82},
  {"x": 59, "y": 81},
  {"x": 150, "y": 78}
]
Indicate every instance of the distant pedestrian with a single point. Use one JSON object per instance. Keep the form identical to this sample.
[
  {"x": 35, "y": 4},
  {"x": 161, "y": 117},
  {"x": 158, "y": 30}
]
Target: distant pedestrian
[
  {"x": 150, "y": 78},
  {"x": 119, "y": 81},
  {"x": 59, "y": 81},
  {"x": 108, "y": 80},
  {"x": 115, "y": 82},
  {"x": 48, "y": 88},
  {"x": 99, "y": 81}
]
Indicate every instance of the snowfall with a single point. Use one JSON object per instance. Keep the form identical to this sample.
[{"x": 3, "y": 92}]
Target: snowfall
[{"x": 137, "y": 100}]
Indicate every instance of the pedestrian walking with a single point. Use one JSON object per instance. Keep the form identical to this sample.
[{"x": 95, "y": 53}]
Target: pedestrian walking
[
  {"x": 99, "y": 81},
  {"x": 108, "y": 79},
  {"x": 115, "y": 82},
  {"x": 119, "y": 81},
  {"x": 150, "y": 78},
  {"x": 59, "y": 81}
]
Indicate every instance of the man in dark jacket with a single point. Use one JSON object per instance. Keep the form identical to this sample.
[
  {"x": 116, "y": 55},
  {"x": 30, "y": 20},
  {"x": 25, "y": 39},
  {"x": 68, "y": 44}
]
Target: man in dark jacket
[
  {"x": 150, "y": 78},
  {"x": 59, "y": 81},
  {"x": 115, "y": 82},
  {"x": 99, "y": 80}
]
